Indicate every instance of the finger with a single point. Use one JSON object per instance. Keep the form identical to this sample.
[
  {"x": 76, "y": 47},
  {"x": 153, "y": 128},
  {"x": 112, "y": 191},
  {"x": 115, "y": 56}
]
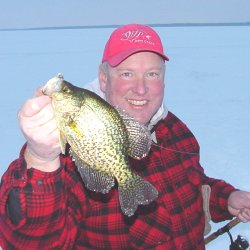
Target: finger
[
  {"x": 43, "y": 132},
  {"x": 39, "y": 126},
  {"x": 44, "y": 140},
  {"x": 38, "y": 92},
  {"x": 242, "y": 218},
  {"x": 34, "y": 105},
  {"x": 244, "y": 215}
]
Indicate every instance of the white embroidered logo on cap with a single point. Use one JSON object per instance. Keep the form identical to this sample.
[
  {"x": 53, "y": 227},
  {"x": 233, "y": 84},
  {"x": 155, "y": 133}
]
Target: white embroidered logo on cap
[{"x": 137, "y": 36}]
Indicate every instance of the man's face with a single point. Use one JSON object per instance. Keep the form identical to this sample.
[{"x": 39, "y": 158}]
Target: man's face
[{"x": 136, "y": 85}]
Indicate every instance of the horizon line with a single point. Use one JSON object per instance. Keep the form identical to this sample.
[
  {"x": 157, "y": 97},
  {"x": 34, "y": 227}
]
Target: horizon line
[{"x": 117, "y": 25}]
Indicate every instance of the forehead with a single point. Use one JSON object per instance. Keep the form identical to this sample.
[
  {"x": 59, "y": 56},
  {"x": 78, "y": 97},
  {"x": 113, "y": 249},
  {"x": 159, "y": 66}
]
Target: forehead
[{"x": 143, "y": 59}]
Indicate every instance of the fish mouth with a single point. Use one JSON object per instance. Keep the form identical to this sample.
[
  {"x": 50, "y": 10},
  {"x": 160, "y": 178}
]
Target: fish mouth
[
  {"x": 45, "y": 91},
  {"x": 53, "y": 85},
  {"x": 137, "y": 102}
]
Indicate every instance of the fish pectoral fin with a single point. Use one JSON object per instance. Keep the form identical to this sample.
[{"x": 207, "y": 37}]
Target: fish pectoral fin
[
  {"x": 73, "y": 126},
  {"x": 134, "y": 192},
  {"x": 139, "y": 136},
  {"x": 62, "y": 142},
  {"x": 93, "y": 179}
]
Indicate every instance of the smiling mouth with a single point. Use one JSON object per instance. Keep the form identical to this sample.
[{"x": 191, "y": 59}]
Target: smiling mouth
[{"x": 137, "y": 103}]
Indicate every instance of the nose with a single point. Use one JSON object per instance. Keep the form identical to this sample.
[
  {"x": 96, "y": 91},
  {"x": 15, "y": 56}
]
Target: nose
[{"x": 140, "y": 87}]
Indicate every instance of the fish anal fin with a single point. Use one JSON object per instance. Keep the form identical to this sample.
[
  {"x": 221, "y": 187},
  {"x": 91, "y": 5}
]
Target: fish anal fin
[{"x": 93, "y": 179}]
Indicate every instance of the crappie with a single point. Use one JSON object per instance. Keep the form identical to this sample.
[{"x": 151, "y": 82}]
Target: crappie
[{"x": 101, "y": 137}]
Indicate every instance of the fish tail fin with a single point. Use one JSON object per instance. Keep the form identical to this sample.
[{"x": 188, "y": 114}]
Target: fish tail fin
[{"x": 134, "y": 192}]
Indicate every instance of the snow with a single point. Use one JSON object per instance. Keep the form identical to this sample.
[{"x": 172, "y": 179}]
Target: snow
[{"x": 207, "y": 86}]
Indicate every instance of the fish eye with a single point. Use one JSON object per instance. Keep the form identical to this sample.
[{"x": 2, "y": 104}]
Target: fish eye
[{"x": 65, "y": 89}]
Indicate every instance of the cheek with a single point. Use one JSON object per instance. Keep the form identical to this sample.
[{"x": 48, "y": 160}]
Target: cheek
[
  {"x": 117, "y": 90},
  {"x": 157, "y": 91},
  {"x": 114, "y": 93}
]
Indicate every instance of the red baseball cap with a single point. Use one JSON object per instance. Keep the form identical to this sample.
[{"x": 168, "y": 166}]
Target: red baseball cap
[{"x": 129, "y": 39}]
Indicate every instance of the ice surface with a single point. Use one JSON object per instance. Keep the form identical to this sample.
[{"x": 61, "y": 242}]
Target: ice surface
[{"x": 207, "y": 86}]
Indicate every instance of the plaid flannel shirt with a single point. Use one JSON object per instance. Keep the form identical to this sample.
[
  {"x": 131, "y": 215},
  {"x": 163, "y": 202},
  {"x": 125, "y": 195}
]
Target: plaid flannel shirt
[{"x": 41, "y": 210}]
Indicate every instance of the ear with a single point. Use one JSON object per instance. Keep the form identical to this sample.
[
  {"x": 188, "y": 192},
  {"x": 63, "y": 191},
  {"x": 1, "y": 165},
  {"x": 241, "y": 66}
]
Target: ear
[{"x": 102, "y": 75}]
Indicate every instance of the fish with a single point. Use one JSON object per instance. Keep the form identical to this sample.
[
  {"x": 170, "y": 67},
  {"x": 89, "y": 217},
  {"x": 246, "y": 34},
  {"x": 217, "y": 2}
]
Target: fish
[{"x": 101, "y": 138}]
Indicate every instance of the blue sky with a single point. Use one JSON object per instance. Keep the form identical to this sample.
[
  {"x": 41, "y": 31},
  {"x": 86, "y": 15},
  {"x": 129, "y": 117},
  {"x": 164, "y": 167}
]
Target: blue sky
[{"x": 47, "y": 13}]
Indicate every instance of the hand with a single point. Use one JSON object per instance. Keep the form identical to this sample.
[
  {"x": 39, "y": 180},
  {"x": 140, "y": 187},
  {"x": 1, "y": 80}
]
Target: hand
[
  {"x": 36, "y": 119},
  {"x": 239, "y": 205}
]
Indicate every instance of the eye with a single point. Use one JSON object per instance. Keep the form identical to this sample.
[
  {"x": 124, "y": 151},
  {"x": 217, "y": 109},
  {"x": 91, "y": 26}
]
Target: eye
[
  {"x": 126, "y": 74},
  {"x": 153, "y": 74},
  {"x": 65, "y": 89}
]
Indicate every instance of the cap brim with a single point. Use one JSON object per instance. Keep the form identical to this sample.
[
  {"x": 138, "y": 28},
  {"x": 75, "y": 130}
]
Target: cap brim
[{"x": 117, "y": 59}]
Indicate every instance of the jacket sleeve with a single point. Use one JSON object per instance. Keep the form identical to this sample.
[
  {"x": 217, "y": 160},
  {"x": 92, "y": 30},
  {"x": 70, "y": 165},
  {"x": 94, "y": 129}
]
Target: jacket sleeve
[
  {"x": 220, "y": 191},
  {"x": 40, "y": 210}
]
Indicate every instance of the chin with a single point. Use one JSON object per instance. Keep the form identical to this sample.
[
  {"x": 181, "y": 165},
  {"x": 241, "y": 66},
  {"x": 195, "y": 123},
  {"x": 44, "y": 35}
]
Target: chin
[
  {"x": 142, "y": 120},
  {"x": 140, "y": 116}
]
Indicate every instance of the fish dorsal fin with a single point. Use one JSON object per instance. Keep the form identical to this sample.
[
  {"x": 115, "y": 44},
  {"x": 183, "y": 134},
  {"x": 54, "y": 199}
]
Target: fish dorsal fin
[
  {"x": 139, "y": 136},
  {"x": 93, "y": 179}
]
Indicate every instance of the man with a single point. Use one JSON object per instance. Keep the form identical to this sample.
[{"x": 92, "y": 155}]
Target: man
[{"x": 45, "y": 205}]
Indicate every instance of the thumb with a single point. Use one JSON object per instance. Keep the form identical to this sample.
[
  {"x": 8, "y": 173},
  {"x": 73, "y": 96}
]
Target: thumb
[{"x": 38, "y": 92}]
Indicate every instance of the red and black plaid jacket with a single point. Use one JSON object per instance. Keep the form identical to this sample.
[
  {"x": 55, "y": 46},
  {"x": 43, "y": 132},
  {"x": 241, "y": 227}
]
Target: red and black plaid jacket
[{"x": 41, "y": 210}]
